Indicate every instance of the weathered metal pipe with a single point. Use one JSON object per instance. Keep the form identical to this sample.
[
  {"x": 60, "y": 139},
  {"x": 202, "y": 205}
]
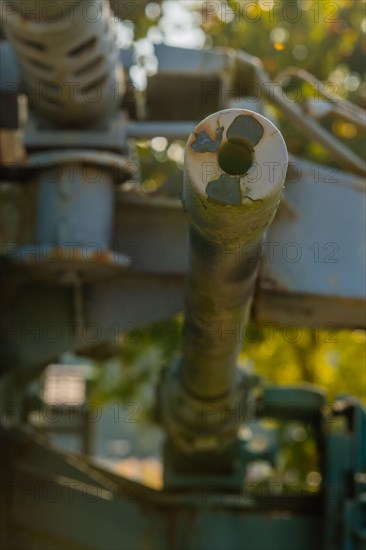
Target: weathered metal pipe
[{"x": 235, "y": 166}]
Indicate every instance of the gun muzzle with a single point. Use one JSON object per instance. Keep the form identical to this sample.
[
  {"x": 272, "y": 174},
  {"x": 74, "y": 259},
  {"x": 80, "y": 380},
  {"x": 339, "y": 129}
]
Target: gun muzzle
[{"x": 235, "y": 167}]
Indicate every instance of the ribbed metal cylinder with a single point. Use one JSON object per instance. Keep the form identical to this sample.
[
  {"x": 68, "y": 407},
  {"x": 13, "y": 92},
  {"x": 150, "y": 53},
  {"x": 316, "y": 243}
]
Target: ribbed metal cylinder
[{"x": 68, "y": 55}]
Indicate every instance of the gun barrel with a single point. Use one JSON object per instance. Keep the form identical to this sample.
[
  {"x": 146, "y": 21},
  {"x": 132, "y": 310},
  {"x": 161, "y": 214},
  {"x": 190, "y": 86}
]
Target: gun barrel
[{"x": 235, "y": 167}]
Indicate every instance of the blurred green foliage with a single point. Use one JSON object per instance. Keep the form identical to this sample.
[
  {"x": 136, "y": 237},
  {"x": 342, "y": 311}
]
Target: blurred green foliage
[
  {"x": 327, "y": 39},
  {"x": 332, "y": 359}
]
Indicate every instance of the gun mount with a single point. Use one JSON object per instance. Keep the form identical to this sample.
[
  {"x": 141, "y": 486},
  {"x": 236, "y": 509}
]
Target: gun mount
[{"x": 75, "y": 199}]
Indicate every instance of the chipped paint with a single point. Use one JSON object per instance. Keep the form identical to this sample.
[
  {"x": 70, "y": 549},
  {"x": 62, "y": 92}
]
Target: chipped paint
[
  {"x": 205, "y": 144},
  {"x": 225, "y": 190},
  {"x": 245, "y": 128}
]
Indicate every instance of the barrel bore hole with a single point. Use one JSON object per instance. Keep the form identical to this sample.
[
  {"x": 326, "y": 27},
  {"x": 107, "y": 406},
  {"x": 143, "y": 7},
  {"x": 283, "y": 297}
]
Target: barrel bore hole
[{"x": 235, "y": 158}]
